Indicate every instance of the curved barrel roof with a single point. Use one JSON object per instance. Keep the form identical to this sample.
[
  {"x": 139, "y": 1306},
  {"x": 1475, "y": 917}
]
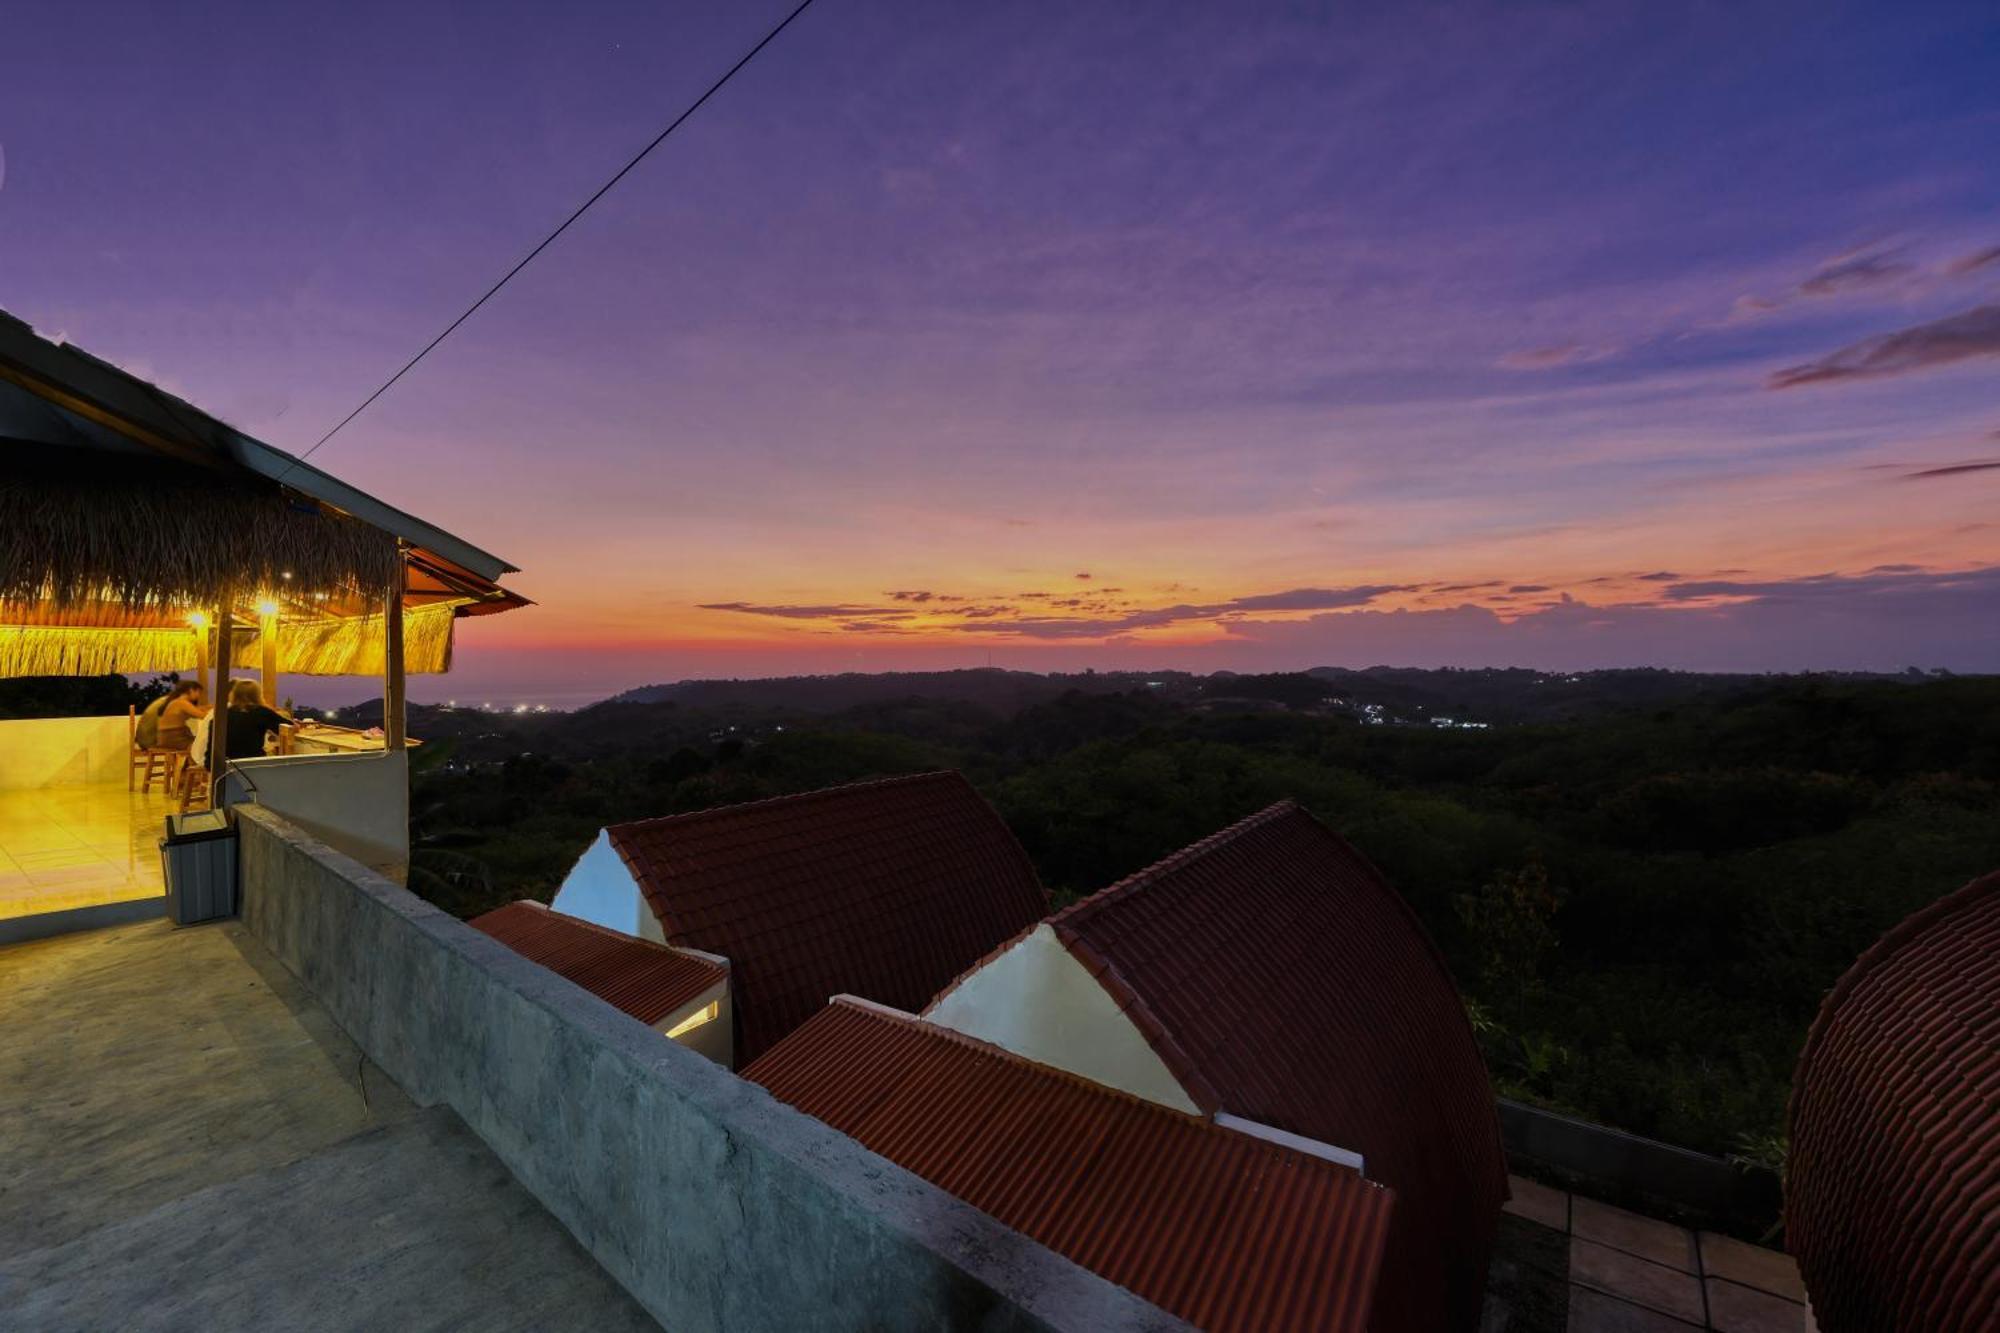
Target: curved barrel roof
[
  {"x": 884, "y": 890},
  {"x": 1281, "y": 979},
  {"x": 1892, "y": 1189}
]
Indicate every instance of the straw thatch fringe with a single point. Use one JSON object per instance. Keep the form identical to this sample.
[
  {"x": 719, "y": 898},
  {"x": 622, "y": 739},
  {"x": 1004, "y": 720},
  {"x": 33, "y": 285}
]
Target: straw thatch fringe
[
  {"x": 354, "y": 646},
  {"x": 136, "y": 531},
  {"x": 51, "y": 650}
]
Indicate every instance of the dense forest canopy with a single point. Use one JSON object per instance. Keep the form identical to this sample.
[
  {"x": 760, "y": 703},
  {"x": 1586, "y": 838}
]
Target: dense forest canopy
[{"x": 1644, "y": 881}]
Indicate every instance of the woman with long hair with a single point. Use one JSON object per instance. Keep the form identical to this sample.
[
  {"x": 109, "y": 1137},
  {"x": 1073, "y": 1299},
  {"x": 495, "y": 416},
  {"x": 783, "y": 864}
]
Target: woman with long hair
[{"x": 250, "y": 720}]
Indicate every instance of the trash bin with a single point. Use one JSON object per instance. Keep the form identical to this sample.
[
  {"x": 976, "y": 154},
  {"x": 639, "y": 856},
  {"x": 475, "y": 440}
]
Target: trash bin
[{"x": 198, "y": 856}]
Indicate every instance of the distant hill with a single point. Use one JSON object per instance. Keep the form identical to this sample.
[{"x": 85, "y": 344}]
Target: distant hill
[
  {"x": 1003, "y": 692},
  {"x": 1493, "y": 695}
]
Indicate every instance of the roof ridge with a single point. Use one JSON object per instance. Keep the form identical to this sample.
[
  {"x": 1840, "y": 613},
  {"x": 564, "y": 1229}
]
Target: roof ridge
[
  {"x": 616, "y": 936},
  {"x": 980, "y": 1045},
  {"x": 695, "y": 816},
  {"x": 1194, "y": 851}
]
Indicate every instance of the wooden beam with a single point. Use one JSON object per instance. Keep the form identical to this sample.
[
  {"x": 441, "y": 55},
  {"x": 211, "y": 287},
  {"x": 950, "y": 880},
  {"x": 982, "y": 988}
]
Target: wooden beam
[
  {"x": 14, "y": 373},
  {"x": 218, "y": 714},
  {"x": 267, "y": 635},
  {"x": 394, "y": 722}
]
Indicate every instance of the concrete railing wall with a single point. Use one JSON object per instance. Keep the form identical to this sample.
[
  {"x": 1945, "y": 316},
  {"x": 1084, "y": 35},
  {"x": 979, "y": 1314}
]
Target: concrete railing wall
[
  {"x": 63, "y": 751},
  {"x": 716, "y": 1206},
  {"x": 1646, "y": 1173},
  {"x": 354, "y": 803}
]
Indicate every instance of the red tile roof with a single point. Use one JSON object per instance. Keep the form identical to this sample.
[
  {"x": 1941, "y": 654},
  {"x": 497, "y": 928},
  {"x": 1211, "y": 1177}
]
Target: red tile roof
[
  {"x": 881, "y": 889},
  {"x": 1282, "y": 979},
  {"x": 1227, "y": 1231},
  {"x": 648, "y": 981},
  {"x": 1892, "y": 1191}
]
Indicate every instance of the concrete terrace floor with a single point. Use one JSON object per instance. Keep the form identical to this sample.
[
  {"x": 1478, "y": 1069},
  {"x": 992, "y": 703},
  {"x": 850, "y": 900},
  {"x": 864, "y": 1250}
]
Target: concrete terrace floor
[
  {"x": 1568, "y": 1264},
  {"x": 187, "y": 1141}
]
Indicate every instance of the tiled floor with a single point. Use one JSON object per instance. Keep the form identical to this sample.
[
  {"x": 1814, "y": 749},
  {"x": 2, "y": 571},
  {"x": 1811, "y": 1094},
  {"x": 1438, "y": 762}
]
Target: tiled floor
[
  {"x": 1633, "y": 1274},
  {"x": 68, "y": 847}
]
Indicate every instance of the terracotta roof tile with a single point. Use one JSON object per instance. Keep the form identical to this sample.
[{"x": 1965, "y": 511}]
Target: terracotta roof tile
[
  {"x": 1228, "y": 1231},
  {"x": 1281, "y": 979},
  {"x": 647, "y": 980},
  {"x": 1892, "y": 1191},
  {"x": 881, "y": 889}
]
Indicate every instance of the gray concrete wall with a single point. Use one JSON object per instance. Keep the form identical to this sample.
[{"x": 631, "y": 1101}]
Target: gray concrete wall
[
  {"x": 716, "y": 1206},
  {"x": 1643, "y": 1173}
]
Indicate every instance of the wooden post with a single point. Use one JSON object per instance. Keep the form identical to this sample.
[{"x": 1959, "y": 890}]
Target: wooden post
[
  {"x": 393, "y": 719},
  {"x": 205, "y": 673},
  {"x": 267, "y": 635},
  {"x": 218, "y": 712}
]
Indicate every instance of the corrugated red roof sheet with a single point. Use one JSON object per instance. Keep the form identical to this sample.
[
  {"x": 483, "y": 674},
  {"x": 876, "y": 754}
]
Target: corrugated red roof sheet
[
  {"x": 884, "y": 890},
  {"x": 647, "y": 980},
  {"x": 1227, "y": 1231},
  {"x": 1892, "y": 1190},
  {"x": 1282, "y": 979}
]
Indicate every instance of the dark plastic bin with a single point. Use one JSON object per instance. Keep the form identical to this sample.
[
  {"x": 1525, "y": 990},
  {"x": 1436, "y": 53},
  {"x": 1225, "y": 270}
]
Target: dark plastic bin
[{"x": 198, "y": 856}]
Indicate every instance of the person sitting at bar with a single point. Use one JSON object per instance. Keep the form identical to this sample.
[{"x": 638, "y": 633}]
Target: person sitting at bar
[
  {"x": 250, "y": 720},
  {"x": 183, "y": 704}
]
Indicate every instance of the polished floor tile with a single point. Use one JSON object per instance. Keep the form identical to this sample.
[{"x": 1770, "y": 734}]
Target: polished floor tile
[{"x": 67, "y": 847}]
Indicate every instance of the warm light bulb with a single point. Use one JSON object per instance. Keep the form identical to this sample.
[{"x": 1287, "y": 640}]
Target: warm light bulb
[
  {"x": 267, "y": 607},
  {"x": 198, "y": 619}
]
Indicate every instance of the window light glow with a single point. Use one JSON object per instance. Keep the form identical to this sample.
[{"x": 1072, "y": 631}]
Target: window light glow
[{"x": 706, "y": 1014}]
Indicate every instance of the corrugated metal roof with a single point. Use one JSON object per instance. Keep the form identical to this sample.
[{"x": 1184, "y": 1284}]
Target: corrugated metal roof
[
  {"x": 881, "y": 889},
  {"x": 647, "y": 980},
  {"x": 1892, "y": 1190},
  {"x": 1227, "y": 1231},
  {"x": 1282, "y": 979},
  {"x": 59, "y": 394}
]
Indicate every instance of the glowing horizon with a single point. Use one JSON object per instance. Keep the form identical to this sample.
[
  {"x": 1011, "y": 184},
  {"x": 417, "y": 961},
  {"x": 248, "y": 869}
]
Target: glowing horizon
[{"x": 1561, "y": 337}]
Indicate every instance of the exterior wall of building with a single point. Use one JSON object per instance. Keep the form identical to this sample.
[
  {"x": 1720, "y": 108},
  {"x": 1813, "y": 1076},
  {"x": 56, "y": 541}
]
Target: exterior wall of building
[
  {"x": 714, "y": 1038},
  {"x": 1037, "y": 1001},
  {"x": 716, "y": 1206},
  {"x": 358, "y": 804},
  {"x": 599, "y": 889},
  {"x": 63, "y": 751}
]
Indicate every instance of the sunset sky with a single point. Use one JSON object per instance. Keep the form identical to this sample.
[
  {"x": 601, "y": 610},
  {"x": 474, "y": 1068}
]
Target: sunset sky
[{"x": 1063, "y": 335}]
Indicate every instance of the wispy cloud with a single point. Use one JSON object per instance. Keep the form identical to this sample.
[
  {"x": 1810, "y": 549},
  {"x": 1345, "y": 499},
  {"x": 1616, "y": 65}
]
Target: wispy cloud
[
  {"x": 831, "y": 611},
  {"x": 1864, "y": 269},
  {"x": 1954, "y": 469},
  {"x": 1961, "y": 337},
  {"x": 1552, "y": 358},
  {"x": 1875, "y": 621},
  {"x": 1094, "y": 616},
  {"x": 1882, "y": 581},
  {"x": 1853, "y": 272},
  {"x": 1973, "y": 262}
]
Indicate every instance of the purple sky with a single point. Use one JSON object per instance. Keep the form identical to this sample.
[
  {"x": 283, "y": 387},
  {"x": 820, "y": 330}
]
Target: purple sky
[{"x": 1562, "y": 335}]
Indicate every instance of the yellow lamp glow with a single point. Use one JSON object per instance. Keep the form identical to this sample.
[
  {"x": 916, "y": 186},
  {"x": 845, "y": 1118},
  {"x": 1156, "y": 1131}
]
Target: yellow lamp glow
[
  {"x": 198, "y": 619},
  {"x": 706, "y": 1014},
  {"x": 267, "y": 607}
]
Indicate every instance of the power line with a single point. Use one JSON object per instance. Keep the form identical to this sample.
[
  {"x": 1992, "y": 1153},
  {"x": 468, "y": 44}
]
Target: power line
[{"x": 546, "y": 241}]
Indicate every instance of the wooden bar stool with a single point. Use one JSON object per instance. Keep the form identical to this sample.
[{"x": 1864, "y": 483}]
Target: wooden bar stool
[{"x": 147, "y": 762}]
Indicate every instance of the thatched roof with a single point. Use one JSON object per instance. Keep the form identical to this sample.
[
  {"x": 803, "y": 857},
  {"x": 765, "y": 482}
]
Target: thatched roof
[{"x": 135, "y": 532}]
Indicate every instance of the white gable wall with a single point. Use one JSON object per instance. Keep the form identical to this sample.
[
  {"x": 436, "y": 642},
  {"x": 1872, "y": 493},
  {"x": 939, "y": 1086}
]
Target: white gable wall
[
  {"x": 601, "y": 890},
  {"x": 1040, "y": 1003}
]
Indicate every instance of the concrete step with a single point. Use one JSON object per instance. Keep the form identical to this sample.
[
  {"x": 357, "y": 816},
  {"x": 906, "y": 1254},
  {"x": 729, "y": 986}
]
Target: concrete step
[{"x": 413, "y": 1225}]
